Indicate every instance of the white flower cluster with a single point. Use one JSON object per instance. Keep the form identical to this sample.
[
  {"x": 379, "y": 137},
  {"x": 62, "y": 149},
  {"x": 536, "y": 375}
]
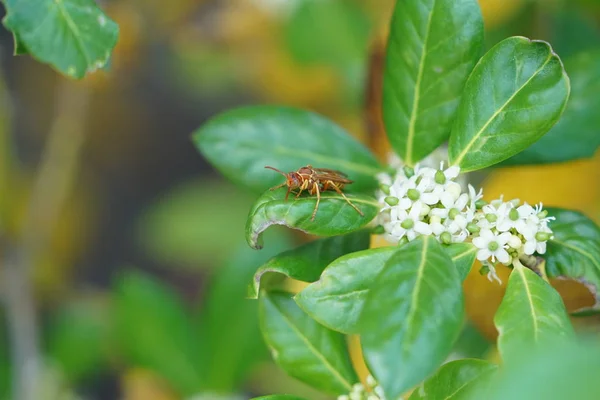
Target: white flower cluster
[
  {"x": 425, "y": 201},
  {"x": 505, "y": 231},
  {"x": 428, "y": 201},
  {"x": 374, "y": 392}
]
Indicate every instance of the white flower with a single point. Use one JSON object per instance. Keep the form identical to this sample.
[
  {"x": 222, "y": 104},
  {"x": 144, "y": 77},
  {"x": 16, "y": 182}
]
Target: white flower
[
  {"x": 492, "y": 245},
  {"x": 410, "y": 224}
]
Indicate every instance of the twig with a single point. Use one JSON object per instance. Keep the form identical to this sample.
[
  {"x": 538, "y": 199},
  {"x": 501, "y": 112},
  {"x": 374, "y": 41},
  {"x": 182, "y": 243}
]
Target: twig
[{"x": 57, "y": 170}]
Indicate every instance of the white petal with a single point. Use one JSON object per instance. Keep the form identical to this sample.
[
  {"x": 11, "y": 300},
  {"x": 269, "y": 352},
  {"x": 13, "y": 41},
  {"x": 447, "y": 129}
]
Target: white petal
[
  {"x": 405, "y": 203},
  {"x": 447, "y": 200},
  {"x": 483, "y": 254},
  {"x": 429, "y": 198},
  {"x": 423, "y": 228},
  {"x": 504, "y": 224},
  {"x": 452, "y": 172},
  {"x": 515, "y": 242},
  {"x": 480, "y": 242},
  {"x": 454, "y": 189},
  {"x": 525, "y": 210},
  {"x": 529, "y": 247},
  {"x": 487, "y": 234},
  {"x": 461, "y": 237},
  {"x": 437, "y": 228},
  {"x": 415, "y": 211},
  {"x": 440, "y": 212},
  {"x": 503, "y": 256},
  {"x": 411, "y": 235},
  {"x": 462, "y": 201},
  {"x": 503, "y": 238},
  {"x": 541, "y": 247}
]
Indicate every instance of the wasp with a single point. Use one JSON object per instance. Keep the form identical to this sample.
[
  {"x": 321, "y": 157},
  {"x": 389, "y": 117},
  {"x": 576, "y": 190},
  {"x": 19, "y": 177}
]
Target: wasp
[{"x": 315, "y": 181}]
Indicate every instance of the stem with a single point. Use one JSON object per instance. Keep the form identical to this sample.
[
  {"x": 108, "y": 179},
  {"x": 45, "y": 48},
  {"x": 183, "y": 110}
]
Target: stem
[{"x": 52, "y": 185}]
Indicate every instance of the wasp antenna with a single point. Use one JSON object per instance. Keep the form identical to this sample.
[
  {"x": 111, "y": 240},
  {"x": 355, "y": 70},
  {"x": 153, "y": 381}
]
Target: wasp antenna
[{"x": 276, "y": 170}]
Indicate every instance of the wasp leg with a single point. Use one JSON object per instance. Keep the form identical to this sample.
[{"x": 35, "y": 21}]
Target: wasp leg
[
  {"x": 316, "y": 189},
  {"x": 334, "y": 186},
  {"x": 302, "y": 188},
  {"x": 279, "y": 186},
  {"x": 288, "y": 193}
]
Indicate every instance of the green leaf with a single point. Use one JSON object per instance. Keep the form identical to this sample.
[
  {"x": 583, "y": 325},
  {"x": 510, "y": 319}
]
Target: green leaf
[
  {"x": 278, "y": 397},
  {"x": 515, "y": 94},
  {"x": 432, "y": 48},
  {"x": 284, "y": 138},
  {"x": 74, "y": 36},
  {"x": 224, "y": 359},
  {"x": 567, "y": 371},
  {"x": 532, "y": 314},
  {"x": 194, "y": 225},
  {"x": 574, "y": 251},
  {"x": 304, "y": 349},
  {"x": 334, "y": 216},
  {"x": 463, "y": 256},
  {"x": 307, "y": 262},
  {"x": 412, "y": 315},
  {"x": 454, "y": 380},
  {"x": 576, "y": 135},
  {"x": 154, "y": 331},
  {"x": 20, "y": 48},
  {"x": 336, "y": 300},
  {"x": 80, "y": 338}
]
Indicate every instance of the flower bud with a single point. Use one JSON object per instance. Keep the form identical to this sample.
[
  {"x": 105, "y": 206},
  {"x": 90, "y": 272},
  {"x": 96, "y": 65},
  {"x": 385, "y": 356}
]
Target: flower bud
[
  {"x": 542, "y": 214},
  {"x": 515, "y": 242},
  {"x": 434, "y": 219},
  {"x": 403, "y": 241},
  {"x": 542, "y": 236},
  {"x": 391, "y": 200},
  {"x": 424, "y": 210},
  {"x": 408, "y": 171},
  {"x": 454, "y": 190},
  {"x": 446, "y": 238}
]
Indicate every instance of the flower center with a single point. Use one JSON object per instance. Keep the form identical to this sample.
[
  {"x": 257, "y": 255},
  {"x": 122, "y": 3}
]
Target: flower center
[
  {"x": 542, "y": 236},
  {"x": 440, "y": 178},
  {"x": 453, "y": 213},
  {"x": 493, "y": 246},
  {"x": 491, "y": 217},
  {"x": 413, "y": 194},
  {"x": 391, "y": 200},
  {"x": 473, "y": 228},
  {"x": 513, "y": 214},
  {"x": 385, "y": 188},
  {"x": 407, "y": 224}
]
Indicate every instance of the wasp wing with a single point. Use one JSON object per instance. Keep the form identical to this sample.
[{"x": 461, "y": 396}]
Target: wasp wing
[{"x": 332, "y": 175}]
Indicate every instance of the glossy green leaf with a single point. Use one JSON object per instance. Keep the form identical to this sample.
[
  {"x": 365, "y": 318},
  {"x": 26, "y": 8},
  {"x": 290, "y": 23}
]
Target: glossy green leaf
[
  {"x": 576, "y": 134},
  {"x": 454, "y": 380},
  {"x": 532, "y": 314},
  {"x": 303, "y": 348},
  {"x": 154, "y": 331},
  {"x": 224, "y": 359},
  {"x": 336, "y": 300},
  {"x": 515, "y": 94},
  {"x": 433, "y": 46},
  {"x": 463, "y": 256},
  {"x": 278, "y": 397},
  {"x": 334, "y": 216},
  {"x": 284, "y": 138},
  {"x": 574, "y": 251},
  {"x": 566, "y": 371},
  {"x": 79, "y": 338},
  {"x": 74, "y": 36},
  {"x": 307, "y": 262},
  {"x": 412, "y": 315}
]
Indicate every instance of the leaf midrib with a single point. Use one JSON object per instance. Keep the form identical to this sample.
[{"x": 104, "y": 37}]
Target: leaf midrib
[
  {"x": 417, "y": 289},
  {"x": 74, "y": 30},
  {"x": 416, "y": 99},
  {"x": 530, "y": 298},
  {"x": 578, "y": 250},
  {"x": 465, "y": 151},
  {"x": 330, "y": 367}
]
